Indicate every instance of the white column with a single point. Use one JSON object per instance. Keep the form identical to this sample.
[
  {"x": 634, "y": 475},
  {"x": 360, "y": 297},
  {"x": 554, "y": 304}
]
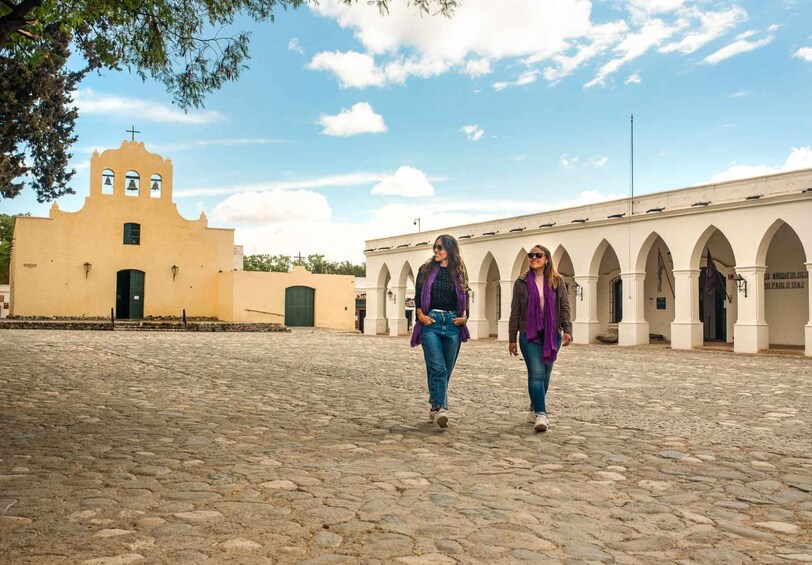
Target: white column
[
  {"x": 808, "y": 347},
  {"x": 633, "y": 328},
  {"x": 478, "y": 320},
  {"x": 751, "y": 333},
  {"x": 507, "y": 297},
  {"x": 586, "y": 326},
  {"x": 374, "y": 321},
  {"x": 686, "y": 329},
  {"x": 397, "y": 311}
]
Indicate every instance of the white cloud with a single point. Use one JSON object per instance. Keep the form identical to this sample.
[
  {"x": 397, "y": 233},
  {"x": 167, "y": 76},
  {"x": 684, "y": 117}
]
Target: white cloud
[
  {"x": 567, "y": 161},
  {"x": 473, "y": 132},
  {"x": 527, "y": 77},
  {"x": 739, "y": 94},
  {"x": 91, "y": 102},
  {"x": 799, "y": 158},
  {"x": 353, "y": 69},
  {"x": 293, "y": 45},
  {"x": 601, "y": 38},
  {"x": 330, "y": 181},
  {"x": 477, "y": 67},
  {"x": 741, "y": 45},
  {"x": 634, "y": 78},
  {"x": 598, "y": 161},
  {"x": 273, "y": 206},
  {"x": 634, "y": 45},
  {"x": 712, "y": 26},
  {"x": 804, "y": 54},
  {"x": 361, "y": 118},
  {"x": 407, "y": 181}
]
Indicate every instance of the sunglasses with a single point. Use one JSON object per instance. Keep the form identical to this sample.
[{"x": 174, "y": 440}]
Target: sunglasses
[
  {"x": 438, "y": 247},
  {"x": 536, "y": 255}
]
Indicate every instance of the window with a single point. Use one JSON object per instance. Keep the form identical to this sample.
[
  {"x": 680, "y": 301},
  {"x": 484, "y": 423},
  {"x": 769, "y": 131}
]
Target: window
[{"x": 132, "y": 234}]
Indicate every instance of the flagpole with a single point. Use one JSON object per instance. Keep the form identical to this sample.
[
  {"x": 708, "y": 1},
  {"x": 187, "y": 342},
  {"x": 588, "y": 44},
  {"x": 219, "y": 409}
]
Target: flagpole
[{"x": 631, "y": 199}]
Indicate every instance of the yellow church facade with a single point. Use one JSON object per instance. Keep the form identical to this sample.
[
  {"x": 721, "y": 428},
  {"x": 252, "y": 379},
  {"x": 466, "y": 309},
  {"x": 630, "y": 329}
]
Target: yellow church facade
[{"x": 128, "y": 252}]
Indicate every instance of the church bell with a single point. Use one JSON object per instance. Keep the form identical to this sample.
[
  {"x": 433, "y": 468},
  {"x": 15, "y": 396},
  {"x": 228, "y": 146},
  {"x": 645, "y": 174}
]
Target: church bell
[{"x": 132, "y": 186}]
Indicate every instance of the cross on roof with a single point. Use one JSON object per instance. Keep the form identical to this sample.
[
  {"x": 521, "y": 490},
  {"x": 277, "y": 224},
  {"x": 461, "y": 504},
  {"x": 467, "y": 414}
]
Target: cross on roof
[
  {"x": 132, "y": 131},
  {"x": 299, "y": 257}
]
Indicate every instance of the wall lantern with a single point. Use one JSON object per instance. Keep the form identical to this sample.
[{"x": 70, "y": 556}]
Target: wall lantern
[
  {"x": 391, "y": 296},
  {"x": 87, "y": 267},
  {"x": 741, "y": 284},
  {"x": 579, "y": 291},
  {"x": 175, "y": 270}
]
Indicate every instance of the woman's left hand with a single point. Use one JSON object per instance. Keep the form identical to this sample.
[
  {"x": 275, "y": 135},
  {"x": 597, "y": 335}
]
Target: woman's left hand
[
  {"x": 566, "y": 340},
  {"x": 460, "y": 321}
]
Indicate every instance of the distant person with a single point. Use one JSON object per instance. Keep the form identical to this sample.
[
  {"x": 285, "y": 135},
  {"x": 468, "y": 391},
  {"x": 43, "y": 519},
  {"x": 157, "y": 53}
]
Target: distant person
[
  {"x": 540, "y": 314},
  {"x": 441, "y": 305}
]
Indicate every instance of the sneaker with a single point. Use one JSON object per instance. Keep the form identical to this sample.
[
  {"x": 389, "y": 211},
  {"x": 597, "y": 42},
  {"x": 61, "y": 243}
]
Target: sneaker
[
  {"x": 433, "y": 414},
  {"x": 541, "y": 423},
  {"x": 442, "y": 418},
  {"x": 531, "y": 416}
]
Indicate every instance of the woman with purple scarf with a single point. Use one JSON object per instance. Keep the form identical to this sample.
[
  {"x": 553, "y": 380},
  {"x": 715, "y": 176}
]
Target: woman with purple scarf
[
  {"x": 441, "y": 305},
  {"x": 540, "y": 314}
]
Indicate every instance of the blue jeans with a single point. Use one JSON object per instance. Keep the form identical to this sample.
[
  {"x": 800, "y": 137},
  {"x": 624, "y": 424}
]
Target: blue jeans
[
  {"x": 538, "y": 373},
  {"x": 441, "y": 345}
]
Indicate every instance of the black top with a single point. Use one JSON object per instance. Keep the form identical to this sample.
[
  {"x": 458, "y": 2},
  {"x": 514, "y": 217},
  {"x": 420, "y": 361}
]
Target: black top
[{"x": 443, "y": 291}]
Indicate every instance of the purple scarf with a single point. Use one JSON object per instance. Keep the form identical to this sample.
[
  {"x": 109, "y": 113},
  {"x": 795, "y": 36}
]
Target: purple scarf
[
  {"x": 541, "y": 322},
  {"x": 425, "y": 306}
]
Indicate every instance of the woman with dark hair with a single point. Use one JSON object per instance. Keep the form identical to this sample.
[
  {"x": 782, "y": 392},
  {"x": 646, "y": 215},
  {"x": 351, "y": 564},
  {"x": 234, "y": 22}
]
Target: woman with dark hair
[
  {"x": 441, "y": 305},
  {"x": 540, "y": 314}
]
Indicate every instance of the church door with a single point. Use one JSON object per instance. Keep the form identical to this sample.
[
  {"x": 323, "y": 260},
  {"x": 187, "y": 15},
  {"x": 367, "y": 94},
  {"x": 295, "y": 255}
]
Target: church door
[
  {"x": 300, "y": 306},
  {"x": 130, "y": 295}
]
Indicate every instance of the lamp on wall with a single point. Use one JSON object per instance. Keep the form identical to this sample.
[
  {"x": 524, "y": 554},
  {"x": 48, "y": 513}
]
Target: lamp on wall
[
  {"x": 579, "y": 291},
  {"x": 741, "y": 284},
  {"x": 175, "y": 270},
  {"x": 391, "y": 295},
  {"x": 87, "y": 267}
]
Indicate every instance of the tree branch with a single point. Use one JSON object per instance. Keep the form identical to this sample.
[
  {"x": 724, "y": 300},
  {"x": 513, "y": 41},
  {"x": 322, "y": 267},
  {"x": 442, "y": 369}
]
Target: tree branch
[{"x": 15, "y": 20}]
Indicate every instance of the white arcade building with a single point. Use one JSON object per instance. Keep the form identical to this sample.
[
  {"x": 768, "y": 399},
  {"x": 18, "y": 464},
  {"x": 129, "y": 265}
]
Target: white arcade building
[{"x": 638, "y": 268}]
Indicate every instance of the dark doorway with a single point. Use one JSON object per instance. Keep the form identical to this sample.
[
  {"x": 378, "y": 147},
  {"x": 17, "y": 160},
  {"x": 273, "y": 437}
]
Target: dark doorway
[
  {"x": 130, "y": 295},
  {"x": 362, "y": 313},
  {"x": 617, "y": 300},
  {"x": 300, "y": 306},
  {"x": 712, "y": 310}
]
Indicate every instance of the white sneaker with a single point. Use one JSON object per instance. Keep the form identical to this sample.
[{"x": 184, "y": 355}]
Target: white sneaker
[
  {"x": 541, "y": 423},
  {"x": 442, "y": 418},
  {"x": 433, "y": 414},
  {"x": 531, "y": 417}
]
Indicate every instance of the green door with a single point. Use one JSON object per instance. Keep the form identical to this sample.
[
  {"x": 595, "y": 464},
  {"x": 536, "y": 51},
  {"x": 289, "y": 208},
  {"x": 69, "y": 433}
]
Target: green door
[
  {"x": 130, "y": 295},
  {"x": 300, "y": 306}
]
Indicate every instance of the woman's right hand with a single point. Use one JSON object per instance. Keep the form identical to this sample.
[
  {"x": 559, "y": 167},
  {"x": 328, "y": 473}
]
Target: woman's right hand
[
  {"x": 513, "y": 348},
  {"x": 425, "y": 320}
]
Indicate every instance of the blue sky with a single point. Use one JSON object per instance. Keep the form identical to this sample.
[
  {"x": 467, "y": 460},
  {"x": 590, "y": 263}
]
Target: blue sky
[{"x": 349, "y": 125}]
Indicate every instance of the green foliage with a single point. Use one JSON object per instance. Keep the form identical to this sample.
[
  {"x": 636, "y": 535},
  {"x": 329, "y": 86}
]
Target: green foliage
[
  {"x": 315, "y": 263},
  {"x": 6, "y": 234},
  {"x": 164, "y": 40}
]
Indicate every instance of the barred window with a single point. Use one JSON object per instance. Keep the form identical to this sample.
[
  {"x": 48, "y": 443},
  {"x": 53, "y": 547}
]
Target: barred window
[{"x": 132, "y": 234}]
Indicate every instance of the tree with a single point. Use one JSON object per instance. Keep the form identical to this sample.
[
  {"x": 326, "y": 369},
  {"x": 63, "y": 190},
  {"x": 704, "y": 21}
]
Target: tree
[
  {"x": 267, "y": 263},
  {"x": 164, "y": 40},
  {"x": 6, "y": 235}
]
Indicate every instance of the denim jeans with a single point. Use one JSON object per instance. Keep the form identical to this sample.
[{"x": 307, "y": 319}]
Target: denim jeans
[
  {"x": 538, "y": 373},
  {"x": 441, "y": 345}
]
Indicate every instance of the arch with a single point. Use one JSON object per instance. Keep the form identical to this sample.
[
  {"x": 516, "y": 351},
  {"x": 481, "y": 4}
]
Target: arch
[
  {"x": 484, "y": 267},
  {"x": 597, "y": 257},
  {"x": 718, "y": 303},
  {"x": 520, "y": 264},
  {"x": 605, "y": 265},
  {"x": 383, "y": 276},
  {"x": 405, "y": 271},
  {"x": 767, "y": 239},
  {"x": 108, "y": 181},
  {"x": 703, "y": 241},
  {"x": 659, "y": 286},
  {"x": 645, "y": 248},
  {"x": 155, "y": 186},
  {"x": 132, "y": 183},
  {"x": 566, "y": 268}
]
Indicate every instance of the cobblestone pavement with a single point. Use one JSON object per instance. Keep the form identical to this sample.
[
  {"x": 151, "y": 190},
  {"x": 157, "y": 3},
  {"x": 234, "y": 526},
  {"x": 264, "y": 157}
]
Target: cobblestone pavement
[{"x": 315, "y": 447}]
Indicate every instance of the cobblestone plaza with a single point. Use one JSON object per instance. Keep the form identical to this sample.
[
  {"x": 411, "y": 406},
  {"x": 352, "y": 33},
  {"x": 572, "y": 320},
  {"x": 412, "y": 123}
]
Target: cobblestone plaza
[{"x": 315, "y": 446}]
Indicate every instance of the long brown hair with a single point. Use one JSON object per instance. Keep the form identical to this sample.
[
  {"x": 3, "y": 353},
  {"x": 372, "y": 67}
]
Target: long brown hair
[
  {"x": 455, "y": 263},
  {"x": 550, "y": 272}
]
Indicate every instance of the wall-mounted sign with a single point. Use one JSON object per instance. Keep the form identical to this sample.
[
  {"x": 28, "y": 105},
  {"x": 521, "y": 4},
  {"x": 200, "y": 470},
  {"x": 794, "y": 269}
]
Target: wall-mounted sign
[
  {"x": 661, "y": 303},
  {"x": 786, "y": 280}
]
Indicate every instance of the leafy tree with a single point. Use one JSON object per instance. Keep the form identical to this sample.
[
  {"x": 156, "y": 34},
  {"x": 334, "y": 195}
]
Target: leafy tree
[
  {"x": 165, "y": 40},
  {"x": 268, "y": 263},
  {"x": 6, "y": 234}
]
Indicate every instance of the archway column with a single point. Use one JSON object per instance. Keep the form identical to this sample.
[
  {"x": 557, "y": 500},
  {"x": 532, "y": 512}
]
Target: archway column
[
  {"x": 478, "y": 316},
  {"x": 586, "y": 326},
  {"x": 397, "y": 311},
  {"x": 633, "y": 328},
  {"x": 686, "y": 329},
  {"x": 507, "y": 297},
  {"x": 374, "y": 321},
  {"x": 751, "y": 333},
  {"x": 808, "y": 327}
]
